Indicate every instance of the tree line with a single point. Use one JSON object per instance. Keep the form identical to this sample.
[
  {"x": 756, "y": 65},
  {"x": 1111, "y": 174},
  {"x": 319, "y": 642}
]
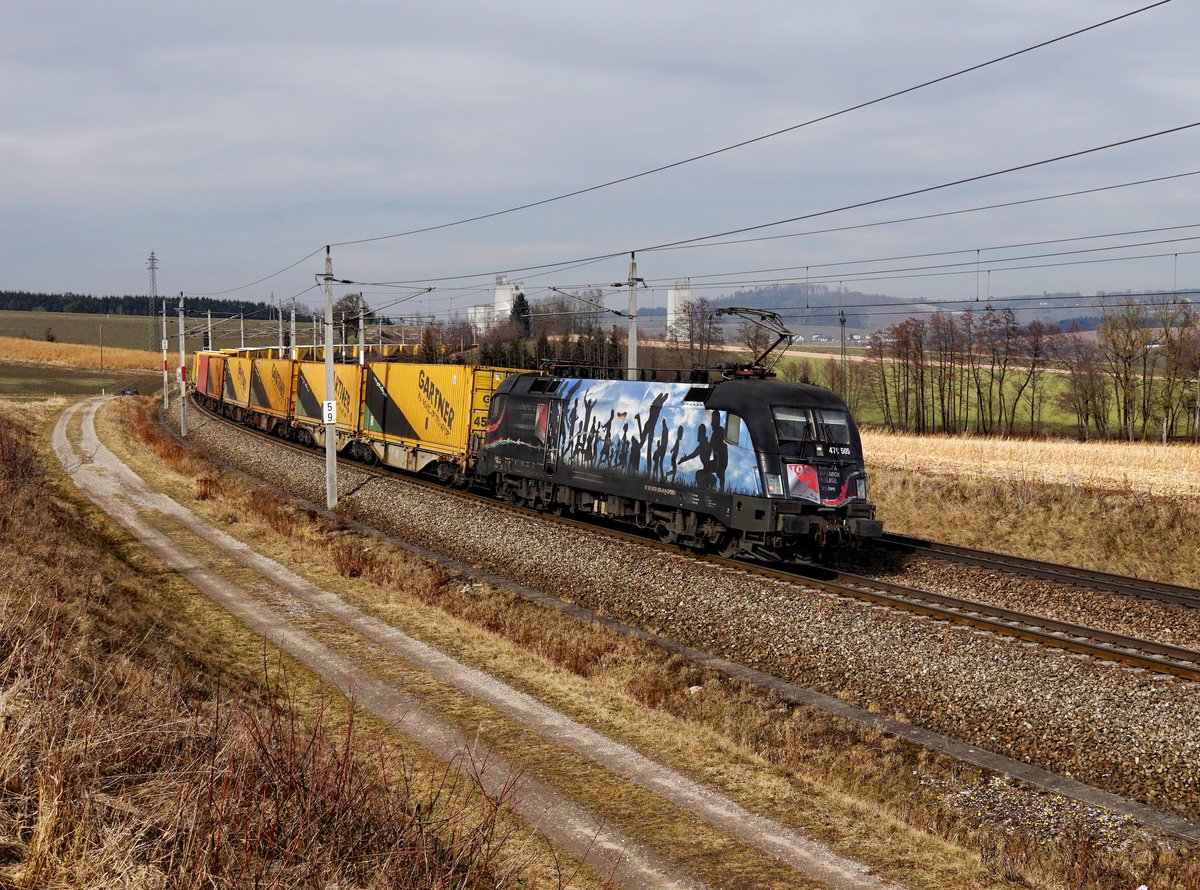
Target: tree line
[
  {"x": 26, "y": 301},
  {"x": 1135, "y": 377}
]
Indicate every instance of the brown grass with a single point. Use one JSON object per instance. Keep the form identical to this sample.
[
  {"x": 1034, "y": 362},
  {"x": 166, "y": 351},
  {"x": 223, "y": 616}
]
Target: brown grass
[
  {"x": 124, "y": 763},
  {"x": 78, "y": 355},
  {"x": 1146, "y": 468},
  {"x": 1127, "y": 532},
  {"x": 873, "y": 778}
]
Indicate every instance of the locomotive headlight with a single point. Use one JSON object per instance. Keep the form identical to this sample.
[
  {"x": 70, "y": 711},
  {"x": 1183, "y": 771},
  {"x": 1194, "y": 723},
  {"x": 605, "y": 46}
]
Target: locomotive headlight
[
  {"x": 774, "y": 485},
  {"x": 862, "y": 487}
]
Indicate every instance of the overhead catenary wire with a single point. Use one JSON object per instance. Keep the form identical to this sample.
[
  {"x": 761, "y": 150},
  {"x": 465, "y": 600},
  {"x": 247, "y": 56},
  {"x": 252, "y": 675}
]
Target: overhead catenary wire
[
  {"x": 979, "y": 177},
  {"x": 745, "y": 142},
  {"x": 714, "y": 152},
  {"x": 933, "y": 271},
  {"x": 911, "y": 256},
  {"x": 971, "y": 305},
  {"x": 938, "y": 215},
  {"x": 931, "y": 188}
]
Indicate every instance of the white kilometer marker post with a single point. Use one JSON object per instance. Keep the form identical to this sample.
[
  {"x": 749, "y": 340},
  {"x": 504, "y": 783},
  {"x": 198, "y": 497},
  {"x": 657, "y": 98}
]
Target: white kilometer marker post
[
  {"x": 166, "y": 367},
  {"x": 331, "y": 496}
]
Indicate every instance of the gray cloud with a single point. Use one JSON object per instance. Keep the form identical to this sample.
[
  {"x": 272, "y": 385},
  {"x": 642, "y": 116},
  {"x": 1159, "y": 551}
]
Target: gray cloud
[{"x": 234, "y": 139}]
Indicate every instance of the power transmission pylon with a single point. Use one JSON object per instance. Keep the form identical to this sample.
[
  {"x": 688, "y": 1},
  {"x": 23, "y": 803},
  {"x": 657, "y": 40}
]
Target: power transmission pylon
[{"x": 152, "y": 265}]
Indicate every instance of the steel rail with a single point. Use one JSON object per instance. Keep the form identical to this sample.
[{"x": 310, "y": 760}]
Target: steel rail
[
  {"x": 1141, "y": 588},
  {"x": 1133, "y": 651}
]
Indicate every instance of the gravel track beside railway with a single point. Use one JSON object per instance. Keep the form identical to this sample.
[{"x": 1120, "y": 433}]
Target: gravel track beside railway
[{"x": 1129, "y": 732}]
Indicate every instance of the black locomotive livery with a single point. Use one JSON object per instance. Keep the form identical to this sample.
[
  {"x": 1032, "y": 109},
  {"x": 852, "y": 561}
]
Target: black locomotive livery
[{"x": 746, "y": 467}]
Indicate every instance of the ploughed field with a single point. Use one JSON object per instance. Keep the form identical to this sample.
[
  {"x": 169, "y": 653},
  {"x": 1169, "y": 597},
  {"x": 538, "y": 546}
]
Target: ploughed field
[{"x": 1129, "y": 732}]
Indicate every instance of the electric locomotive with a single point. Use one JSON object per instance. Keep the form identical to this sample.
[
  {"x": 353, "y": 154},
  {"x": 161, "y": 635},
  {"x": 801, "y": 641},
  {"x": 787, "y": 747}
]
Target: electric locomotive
[{"x": 749, "y": 467}]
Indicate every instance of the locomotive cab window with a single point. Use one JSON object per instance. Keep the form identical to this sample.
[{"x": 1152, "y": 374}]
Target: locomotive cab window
[
  {"x": 733, "y": 429},
  {"x": 793, "y": 424},
  {"x": 834, "y": 426}
]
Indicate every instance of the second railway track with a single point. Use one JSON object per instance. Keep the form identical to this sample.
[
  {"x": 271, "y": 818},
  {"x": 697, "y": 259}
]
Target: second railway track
[{"x": 1140, "y": 588}]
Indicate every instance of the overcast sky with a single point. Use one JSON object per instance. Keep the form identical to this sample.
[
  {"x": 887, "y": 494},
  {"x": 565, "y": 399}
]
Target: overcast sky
[{"x": 234, "y": 139}]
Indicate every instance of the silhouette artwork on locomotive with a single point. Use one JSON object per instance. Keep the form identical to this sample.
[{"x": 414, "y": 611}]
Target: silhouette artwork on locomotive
[{"x": 635, "y": 439}]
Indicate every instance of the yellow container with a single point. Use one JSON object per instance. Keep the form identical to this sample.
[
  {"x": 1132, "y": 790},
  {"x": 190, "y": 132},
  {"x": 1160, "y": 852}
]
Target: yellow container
[
  {"x": 271, "y": 386},
  {"x": 347, "y": 392},
  {"x": 237, "y": 380},
  {"x": 414, "y": 415},
  {"x": 212, "y": 382}
]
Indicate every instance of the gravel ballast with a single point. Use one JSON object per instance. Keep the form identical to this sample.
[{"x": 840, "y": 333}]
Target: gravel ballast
[{"x": 1127, "y": 731}]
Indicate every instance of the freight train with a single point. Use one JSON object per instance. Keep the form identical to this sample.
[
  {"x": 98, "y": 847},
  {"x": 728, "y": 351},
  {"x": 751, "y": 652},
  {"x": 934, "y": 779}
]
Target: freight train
[{"x": 743, "y": 467}]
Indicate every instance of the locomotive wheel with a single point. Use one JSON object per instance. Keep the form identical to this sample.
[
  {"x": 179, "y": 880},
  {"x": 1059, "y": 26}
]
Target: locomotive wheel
[
  {"x": 665, "y": 534},
  {"x": 728, "y": 547}
]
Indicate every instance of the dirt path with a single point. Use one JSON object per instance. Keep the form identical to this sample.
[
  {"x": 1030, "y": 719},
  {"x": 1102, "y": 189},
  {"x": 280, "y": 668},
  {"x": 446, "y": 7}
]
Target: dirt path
[{"x": 131, "y": 502}]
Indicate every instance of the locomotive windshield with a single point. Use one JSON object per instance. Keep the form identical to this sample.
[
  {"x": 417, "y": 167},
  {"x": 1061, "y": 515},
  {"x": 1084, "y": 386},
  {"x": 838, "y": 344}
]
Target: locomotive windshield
[
  {"x": 793, "y": 424},
  {"x": 834, "y": 426},
  {"x": 812, "y": 425}
]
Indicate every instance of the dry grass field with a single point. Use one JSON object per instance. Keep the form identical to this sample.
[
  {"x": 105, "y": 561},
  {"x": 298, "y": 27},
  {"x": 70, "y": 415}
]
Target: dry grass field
[
  {"x": 1132, "y": 509},
  {"x": 79, "y": 355},
  {"x": 1145, "y": 468},
  {"x": 136, "y": 752}
]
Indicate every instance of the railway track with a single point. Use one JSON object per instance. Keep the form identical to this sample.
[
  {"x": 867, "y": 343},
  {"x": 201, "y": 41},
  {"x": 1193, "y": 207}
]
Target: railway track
[
  {"x": 1154, "y": 591},
  {"x": 1133, "y": 651}
]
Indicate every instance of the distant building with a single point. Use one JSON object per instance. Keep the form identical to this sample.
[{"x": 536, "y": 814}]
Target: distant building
[
  {"x": 678, "y": 299},
  {"x": 504, "y": 294},
  {"x": 481, "y": 317}
]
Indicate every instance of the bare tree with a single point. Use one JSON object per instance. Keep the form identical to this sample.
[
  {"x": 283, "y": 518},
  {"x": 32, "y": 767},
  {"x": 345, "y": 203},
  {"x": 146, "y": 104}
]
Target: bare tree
[
  {"x": 350, "y": 306},
  {"x": 1034, "y": 350},
  {"x": 754, "y": 337},
  {"x": 1124, "y": 343},
  {"x": 694, "y": 334},
  {"x": 1086, "y": 394}
]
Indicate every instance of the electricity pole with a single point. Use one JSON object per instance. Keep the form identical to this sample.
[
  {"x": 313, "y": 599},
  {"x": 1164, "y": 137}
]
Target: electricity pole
[
  {"x": 842, "y": 322},
  {"x": 330, "y": 406},
  {"x": 182, "y": 373},
  {"x": 631, "y": 347},
  {"x": 293, "y": 331},
  {"x": 242, "y": 331},
  {"x": 362, "y": 343}
]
